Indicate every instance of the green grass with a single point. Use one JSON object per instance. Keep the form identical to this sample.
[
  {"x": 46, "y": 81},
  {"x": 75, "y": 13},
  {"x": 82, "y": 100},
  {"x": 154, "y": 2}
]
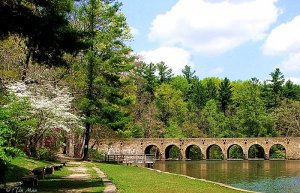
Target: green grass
[
  {"x": 22, "y": 166},
  {"x": 130, "y": 179},
  {"x": 57, "y": 183}
]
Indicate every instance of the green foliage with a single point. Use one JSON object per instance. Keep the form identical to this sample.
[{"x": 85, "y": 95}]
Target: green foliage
[
  {"x": 173, "y": 131},
  {"x": 256, "y": 151},
  {"x": 213, "y": 121},
  {"x": 171, "y": 105},
  {"x": 188, "y": 73},
  {"x": 215, "y": 152},
  {"x": 251, "y": 117},
  {"x": 225, "y": 93},
  {"x": 174, "y": 153},
  {"x": 45, "y": 27},
  {"x": 94, "y": 154},
  {"x": 235, "y": 152},
  {"x": 46, "y": 154},
  {"x": 7, "y": 152},
  {"x": 277, "y": 152},
  {"x": 287, "y": 118},
  {"x": 164, "y": 73},
  {"x": 195, "y": 153}
]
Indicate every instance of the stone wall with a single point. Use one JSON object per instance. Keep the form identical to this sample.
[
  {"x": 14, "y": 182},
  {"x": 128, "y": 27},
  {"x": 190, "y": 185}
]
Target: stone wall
[{"x": 138, "y": 146}]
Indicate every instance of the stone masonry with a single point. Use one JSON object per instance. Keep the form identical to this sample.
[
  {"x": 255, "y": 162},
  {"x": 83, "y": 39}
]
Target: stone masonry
[{"x": 142, "y": 146}]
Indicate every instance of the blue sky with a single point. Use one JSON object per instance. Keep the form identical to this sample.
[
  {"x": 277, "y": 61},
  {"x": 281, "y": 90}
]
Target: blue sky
[{"x": 238, "y": 39}]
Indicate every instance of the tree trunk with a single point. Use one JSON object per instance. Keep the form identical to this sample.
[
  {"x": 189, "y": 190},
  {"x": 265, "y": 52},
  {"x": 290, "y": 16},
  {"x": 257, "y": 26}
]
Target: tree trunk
[
  {"x": 26, "y": 64},
  {"x": 86, "y": 141}
]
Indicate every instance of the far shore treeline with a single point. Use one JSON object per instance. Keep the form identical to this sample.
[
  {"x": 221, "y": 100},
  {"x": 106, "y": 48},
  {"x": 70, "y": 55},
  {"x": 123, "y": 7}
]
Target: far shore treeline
[{"x": 67, "y": 72}]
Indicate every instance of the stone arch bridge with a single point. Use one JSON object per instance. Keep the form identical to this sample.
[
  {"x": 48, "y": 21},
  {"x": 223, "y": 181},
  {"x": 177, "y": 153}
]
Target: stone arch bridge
[{"x": 142, "y": 146}]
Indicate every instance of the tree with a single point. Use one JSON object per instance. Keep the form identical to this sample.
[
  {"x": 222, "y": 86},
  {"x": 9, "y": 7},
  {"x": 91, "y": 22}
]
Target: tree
[
  {"x": 44, "y": 27},
  {"x": 211, "y": 88},
  {"x": 291, "y": 91},
  {"x": 225, "y": 94},
  {"x": 213, "y": 122},
  {"x": 288, "y": 118},
  {"x": 164, "y": 73},
  {"x": 50, "y": 108},
  {"x": 147, "y": 72},
  {"x": 188, "y": 73},
  {"x": 171, "y": 105},
  {"x": 250, "y": 117},
  {"x": 7, "y": 152},
  {"x": 104, "y": 65},
  {"x": 276, "y": 84},
  {"x": 198, "y": 95}
]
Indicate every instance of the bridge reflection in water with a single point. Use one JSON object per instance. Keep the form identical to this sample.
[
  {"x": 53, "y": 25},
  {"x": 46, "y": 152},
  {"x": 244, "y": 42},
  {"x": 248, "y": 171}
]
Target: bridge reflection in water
[{"x": 163, "y": 148}]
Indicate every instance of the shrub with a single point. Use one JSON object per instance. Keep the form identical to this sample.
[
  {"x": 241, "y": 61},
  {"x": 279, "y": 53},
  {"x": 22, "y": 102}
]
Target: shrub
[
  {"x": 94, "y": 154},
  {"x": 46, "y": 154}
]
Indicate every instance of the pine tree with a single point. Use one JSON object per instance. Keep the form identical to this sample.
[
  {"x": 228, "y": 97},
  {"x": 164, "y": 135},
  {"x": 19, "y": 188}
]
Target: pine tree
[
  {"x": 105, "y": 63},
  {"x": 225, "y": 94},
  {"x": 164, "y": 73}
]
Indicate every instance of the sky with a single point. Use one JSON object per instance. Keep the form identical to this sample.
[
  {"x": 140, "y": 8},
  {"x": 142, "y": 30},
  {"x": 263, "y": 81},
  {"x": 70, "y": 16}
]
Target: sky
[{"x": 238, "y": 39}]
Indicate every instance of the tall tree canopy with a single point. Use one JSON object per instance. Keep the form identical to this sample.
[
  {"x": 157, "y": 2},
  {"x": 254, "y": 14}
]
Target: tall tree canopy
[{"x": 104, "y": 65}]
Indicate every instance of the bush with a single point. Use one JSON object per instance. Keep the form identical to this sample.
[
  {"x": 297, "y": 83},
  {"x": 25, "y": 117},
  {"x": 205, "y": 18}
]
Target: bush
[
  {"x": 46, "y": 154},
  {"x": 96, "y": 155}
]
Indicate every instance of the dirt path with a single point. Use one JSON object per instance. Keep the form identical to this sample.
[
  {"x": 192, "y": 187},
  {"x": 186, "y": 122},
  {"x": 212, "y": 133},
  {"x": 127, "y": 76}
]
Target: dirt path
[{"x": 80, "y": 173}]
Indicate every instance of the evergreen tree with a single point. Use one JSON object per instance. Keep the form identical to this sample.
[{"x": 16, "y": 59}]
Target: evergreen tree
[
  {"x": 225, "y": 94},
  {"x": 164, "y": 73},
  {"x": 104, "y": 65},
  {"x": 188, "y": 73},
  {"x": 211, "y": 90},
  {"x": 276, "y": 84},
  {"x": 147, "y": 72},
  {"x": 45, "y": 28}
]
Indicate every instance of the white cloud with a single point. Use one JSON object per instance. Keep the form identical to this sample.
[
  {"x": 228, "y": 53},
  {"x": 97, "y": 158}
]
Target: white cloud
[
  {"x": 212, "y": 27},
  {"x": 175, "y": 58},
  {"x": 284, "y": 38},
  {"x": 216, "y": 71},
  {"x": 134, "y": 31},
  {"x": 291, "y": 64},
  {"x": 294, "y": 80}
]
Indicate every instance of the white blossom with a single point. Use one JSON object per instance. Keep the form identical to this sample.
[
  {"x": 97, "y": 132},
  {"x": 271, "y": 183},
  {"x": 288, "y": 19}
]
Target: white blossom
[{"x": 54, "y": 104}]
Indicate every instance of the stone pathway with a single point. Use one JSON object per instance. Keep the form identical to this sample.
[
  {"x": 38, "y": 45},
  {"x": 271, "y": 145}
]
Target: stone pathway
[
  {"x": 109, "y": 186},
  {"x": 80, "y": 173}
]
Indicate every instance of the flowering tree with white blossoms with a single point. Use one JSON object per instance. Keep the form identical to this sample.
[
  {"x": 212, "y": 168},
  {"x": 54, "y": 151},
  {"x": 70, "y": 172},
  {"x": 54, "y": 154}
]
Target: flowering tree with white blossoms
[{"x": 51, "y": 110}]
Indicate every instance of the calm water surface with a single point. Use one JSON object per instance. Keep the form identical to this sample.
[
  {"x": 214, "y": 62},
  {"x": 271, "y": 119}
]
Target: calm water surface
[{"x": 262, "y": 176}]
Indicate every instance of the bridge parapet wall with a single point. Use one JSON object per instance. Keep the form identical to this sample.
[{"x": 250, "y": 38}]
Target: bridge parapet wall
[{"x": 138, "y": 146}]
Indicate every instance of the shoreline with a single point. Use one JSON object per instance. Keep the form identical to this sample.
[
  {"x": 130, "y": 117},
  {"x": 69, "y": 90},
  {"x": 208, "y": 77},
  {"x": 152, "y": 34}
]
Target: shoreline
[{"x": 204, "y": 180}]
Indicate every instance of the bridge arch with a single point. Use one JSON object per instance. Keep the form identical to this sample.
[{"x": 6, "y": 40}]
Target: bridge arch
[
  {"x": 172, "y": 151},
  {"x": 214, "y": 151},
  {"x": 256, "y": 151},
  {"x": 193, "y": 152},
  {"x": 277, "y": 151},
  {"x": 153, "y": 149},
  {"x": 235, "y": 151}
]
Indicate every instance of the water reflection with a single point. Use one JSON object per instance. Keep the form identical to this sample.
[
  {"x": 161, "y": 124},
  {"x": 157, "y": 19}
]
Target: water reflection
[{"x": 265, "y": 176}]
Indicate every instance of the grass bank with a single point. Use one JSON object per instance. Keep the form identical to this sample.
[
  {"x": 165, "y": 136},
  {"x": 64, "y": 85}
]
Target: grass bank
[
  {"x": 22, "y": 166},
  {"x": 130, "y": 179},
  {"x": 56, "y": 182}
]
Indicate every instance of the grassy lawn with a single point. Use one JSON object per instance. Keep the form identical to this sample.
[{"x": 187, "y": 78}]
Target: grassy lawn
[
  {"x": 130, "y": 179},
  {"x": 22, "y": 166}
]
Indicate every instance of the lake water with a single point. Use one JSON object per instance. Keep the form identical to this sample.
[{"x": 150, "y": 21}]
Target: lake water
[{"x": 263, "y": 176}]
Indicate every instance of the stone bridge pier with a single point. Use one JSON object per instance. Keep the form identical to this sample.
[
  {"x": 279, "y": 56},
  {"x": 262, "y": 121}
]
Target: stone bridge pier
[{"x": 162, "y": 146}]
